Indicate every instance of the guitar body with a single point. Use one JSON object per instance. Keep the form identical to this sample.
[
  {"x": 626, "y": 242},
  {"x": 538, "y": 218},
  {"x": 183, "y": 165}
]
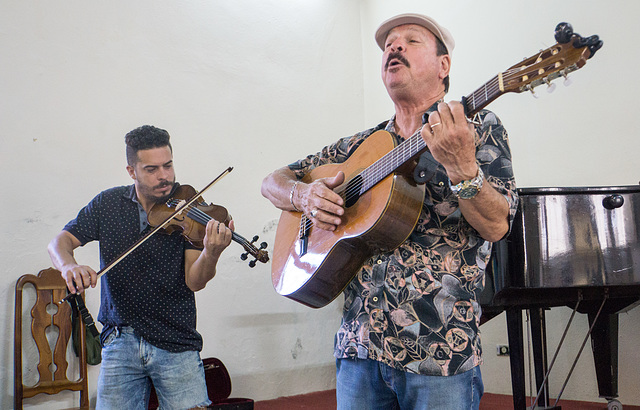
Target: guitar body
[{"x": 380, "y": 220}]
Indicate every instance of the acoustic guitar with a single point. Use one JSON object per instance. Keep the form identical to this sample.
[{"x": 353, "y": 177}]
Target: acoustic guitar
[{"x": 382, "y": 201}]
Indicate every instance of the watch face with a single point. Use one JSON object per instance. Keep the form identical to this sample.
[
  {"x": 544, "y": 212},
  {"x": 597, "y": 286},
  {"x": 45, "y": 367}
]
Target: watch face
[{"x": 468, "y": 192}]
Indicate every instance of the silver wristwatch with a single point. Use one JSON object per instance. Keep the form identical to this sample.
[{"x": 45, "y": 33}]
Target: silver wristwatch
[{"x": 468, "y": 189}]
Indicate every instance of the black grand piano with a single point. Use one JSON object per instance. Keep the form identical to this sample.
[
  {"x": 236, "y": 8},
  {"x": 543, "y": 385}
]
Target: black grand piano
[{"x": 575, "y": 247}]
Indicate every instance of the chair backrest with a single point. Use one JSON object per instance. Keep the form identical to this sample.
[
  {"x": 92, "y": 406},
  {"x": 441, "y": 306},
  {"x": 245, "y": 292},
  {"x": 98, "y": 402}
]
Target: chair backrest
[{"x": 50, "y": 288}]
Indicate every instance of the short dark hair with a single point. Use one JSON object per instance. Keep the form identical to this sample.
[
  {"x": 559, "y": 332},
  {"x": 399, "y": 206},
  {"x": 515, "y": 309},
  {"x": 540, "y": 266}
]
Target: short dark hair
[
  {"x": 441, "y": 50},
  {"x": 145, "y": 137}
]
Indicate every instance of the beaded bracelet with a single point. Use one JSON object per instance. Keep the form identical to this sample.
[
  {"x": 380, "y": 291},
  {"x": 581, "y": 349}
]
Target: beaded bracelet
[{"x": 293, "y": 189}]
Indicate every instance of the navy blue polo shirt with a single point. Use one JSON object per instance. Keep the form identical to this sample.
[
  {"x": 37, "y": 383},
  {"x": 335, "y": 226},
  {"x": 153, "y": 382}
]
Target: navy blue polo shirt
[{"x": 147, "y": 289}]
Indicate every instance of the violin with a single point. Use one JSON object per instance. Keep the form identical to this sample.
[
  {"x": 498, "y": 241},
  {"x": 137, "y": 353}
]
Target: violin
[{"x": 192, "y": 221}]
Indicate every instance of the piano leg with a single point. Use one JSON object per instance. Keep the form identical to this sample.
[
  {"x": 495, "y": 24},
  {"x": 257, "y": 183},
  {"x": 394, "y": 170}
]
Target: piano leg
[
  {"x": 604, "y": 344},
  {"x": 516, "y": 357},
  {"x": 539, "y": 345}
]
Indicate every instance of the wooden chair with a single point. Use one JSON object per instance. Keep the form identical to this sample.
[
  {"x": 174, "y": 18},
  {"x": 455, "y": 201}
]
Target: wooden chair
[{"x": 52, "y": 367}]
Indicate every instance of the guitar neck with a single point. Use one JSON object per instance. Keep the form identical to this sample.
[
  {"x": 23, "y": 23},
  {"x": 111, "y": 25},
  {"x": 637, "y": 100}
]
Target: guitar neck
[{"x": 484, "y": 95}]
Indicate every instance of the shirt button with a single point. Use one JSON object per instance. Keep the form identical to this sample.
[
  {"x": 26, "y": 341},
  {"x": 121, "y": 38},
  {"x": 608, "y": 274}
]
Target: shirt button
[
  {"x": 379, "y": 261},
  {"x": 441, "y": 183},
  {"x": 375, "y": 298}
]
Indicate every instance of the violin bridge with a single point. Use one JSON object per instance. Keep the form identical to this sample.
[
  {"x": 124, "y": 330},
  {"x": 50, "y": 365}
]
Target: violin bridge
[{"x": 181, "y": 204}]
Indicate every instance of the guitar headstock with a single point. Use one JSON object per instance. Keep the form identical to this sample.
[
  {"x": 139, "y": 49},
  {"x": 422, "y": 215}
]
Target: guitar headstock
[{"x": 570, "y": 54}]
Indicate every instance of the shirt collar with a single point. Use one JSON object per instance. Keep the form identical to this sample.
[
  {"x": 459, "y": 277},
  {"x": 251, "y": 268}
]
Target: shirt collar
[
  {"x": 391, "y": 125},
  {"x": 130, "y": 194}
]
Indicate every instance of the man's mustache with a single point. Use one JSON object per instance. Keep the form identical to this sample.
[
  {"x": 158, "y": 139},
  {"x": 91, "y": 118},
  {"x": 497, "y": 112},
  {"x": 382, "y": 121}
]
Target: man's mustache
[
  {"x": 397, "y": 56},
  {"x": 163, "y": 184}
]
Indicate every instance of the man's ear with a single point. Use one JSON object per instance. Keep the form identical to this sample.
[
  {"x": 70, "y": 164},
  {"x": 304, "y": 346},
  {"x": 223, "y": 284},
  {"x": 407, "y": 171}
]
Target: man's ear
[
  {"x": 132, "y": 172},
  {"x": 445, "y": 66}
]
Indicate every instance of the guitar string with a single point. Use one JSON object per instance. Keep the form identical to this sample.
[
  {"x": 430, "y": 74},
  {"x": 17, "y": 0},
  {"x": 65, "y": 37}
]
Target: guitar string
[{"x": 376, "y": 171}]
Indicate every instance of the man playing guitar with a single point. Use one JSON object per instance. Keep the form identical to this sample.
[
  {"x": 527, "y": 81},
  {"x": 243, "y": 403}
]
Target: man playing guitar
[{"x": 409, "y": 334}]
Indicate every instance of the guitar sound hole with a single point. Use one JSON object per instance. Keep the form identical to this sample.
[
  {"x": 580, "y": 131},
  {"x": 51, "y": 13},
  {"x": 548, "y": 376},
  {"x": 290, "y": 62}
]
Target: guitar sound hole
[{"x": 352, "y": 193}]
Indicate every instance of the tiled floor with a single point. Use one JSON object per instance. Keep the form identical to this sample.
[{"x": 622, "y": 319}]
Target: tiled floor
[{"x": 326, "y": 400}]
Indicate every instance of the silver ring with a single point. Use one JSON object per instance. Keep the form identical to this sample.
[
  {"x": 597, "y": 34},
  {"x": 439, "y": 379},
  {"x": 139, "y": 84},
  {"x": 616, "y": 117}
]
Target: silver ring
[
  {"x": 433, "y": 125},
  {"x": 314, "y": 212}
]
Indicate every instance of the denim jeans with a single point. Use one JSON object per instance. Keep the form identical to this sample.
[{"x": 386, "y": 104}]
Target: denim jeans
[
  {"x": 372, "y": 385},
  {"x": 130, "y": 363}
]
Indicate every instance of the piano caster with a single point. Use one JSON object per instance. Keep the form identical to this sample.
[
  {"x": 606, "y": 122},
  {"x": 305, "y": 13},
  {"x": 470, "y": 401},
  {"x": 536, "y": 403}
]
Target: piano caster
[{"x": 614, "y": 404}]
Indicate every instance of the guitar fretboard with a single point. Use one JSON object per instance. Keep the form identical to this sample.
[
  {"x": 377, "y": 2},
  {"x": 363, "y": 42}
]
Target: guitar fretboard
[
  {"x": 384, "y": 166},
  {"x": 481, "y": 97}
]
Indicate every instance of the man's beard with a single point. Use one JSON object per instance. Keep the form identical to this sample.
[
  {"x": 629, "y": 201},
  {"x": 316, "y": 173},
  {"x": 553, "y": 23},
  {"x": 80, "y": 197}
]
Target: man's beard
[{"x": 164, "y": 198}]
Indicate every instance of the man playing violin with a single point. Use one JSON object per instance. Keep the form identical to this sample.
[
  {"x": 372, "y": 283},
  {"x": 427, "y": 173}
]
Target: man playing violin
[
  {"x": 409, "y": 335},
  {"x": 147, "y": 304}
]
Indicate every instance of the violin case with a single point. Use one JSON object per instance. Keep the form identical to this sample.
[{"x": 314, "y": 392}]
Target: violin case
[{"x": 218, "y": 388}]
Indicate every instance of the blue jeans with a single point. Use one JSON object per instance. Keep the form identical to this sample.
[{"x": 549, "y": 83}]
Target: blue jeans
[
  {"x": 372, "y": 385},
  {"x": 130, "y": 363}
]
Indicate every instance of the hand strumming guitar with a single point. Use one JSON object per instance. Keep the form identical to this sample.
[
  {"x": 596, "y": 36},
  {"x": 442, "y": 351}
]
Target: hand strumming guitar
[{"x": 319, "y": 202}]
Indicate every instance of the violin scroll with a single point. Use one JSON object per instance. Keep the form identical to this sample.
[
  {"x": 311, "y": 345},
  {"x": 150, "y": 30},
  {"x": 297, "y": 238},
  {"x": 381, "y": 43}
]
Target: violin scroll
[{"x": 259, "y": 254}]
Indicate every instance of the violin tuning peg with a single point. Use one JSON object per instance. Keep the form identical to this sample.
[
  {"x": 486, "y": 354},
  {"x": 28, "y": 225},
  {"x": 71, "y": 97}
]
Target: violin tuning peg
[
  {"x": 244, "y": 256},
  {"x": 263, "y": 245},
  {"x": 255, "y": 238},
  {"x": 252, "y": 264}
]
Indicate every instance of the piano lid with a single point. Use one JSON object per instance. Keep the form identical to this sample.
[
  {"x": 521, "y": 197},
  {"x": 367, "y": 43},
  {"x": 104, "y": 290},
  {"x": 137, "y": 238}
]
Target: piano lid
[{"x": 572, "y": 238}]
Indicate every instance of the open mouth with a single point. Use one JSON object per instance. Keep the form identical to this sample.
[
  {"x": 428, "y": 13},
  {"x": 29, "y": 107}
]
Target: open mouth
[{"x": 396, "y": 60}]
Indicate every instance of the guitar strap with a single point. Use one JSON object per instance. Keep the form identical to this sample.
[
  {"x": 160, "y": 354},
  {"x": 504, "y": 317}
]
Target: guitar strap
[{"x": 426, "y": 168}]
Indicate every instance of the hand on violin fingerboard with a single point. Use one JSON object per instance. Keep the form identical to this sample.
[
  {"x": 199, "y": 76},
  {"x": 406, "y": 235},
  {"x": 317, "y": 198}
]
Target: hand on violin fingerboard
[{"x": 217, "y": 237}]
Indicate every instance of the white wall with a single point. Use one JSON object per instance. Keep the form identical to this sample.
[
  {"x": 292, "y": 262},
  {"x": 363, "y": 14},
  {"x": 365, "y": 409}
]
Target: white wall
[
  {"x": 245, "y": 84},
  {"x": 255, "y": 85},
  {"x": 581, "y": 135}
]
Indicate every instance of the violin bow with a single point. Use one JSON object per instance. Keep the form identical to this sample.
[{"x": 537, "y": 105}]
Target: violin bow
[{"x": 140, "y": 241}]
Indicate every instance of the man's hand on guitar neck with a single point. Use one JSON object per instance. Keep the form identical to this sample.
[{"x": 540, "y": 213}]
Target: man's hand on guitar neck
[{"x": 450, "y": 138}]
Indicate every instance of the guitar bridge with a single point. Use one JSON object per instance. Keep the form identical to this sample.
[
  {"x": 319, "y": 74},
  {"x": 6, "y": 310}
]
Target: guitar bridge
[{"x": 303, "y": 234}]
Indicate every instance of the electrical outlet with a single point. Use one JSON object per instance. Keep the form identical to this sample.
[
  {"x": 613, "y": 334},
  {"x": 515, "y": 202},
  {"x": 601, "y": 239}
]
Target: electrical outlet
[{"x": 503, "y": 350}]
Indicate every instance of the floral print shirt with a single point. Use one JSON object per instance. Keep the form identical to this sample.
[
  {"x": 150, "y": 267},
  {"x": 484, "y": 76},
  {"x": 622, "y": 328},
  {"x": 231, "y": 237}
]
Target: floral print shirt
[{"x": 415, "y": 308}]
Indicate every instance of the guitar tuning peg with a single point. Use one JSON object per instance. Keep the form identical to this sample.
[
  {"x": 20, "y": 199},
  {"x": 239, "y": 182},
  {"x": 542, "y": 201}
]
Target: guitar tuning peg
[
  {"x": 550, "y": 86},
  {"x": 530, "y": 88},
  {"x": 567, "y": 81}
]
